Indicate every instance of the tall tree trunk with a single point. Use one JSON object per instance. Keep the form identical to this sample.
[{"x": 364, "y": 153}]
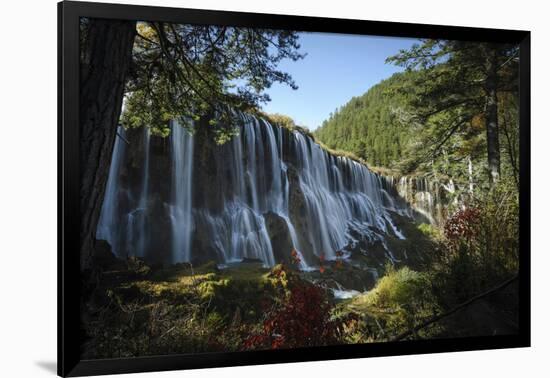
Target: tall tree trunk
[
  {"x": 106, "y": 56},
  {"x": 491, "y": 118}
]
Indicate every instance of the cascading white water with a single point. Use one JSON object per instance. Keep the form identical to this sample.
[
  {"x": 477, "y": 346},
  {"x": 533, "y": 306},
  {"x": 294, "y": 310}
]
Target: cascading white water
[
  {"x": 340, "y": 193},
  {"x": 181, "y": 207},
  {"x": 139, "y": 215},
  {"x": 108, "y": 226},
  {"x": 264, "y": 172},
  {"x": 239, "y": 231},
  {"x": 422, "y": 195},
  {"x": 122, "y": 227}
]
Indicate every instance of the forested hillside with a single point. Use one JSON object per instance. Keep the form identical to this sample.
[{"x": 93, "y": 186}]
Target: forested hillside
[
  {"x": 452, "y": 113},
  {"x": 373, "y": 126}
]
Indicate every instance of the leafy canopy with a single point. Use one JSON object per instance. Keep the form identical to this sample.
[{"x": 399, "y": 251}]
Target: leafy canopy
[
  {"x": 194, "y": 72},
  {"x": 450, "y": 94}
]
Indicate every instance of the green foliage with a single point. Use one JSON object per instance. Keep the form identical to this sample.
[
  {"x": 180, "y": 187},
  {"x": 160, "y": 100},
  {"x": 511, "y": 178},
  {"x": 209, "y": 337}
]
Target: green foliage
[
  {"x": 421, "y": 243},
  {"x": 281, "y": 120},
  {"x": 396, "y": 289},
  {"x": 203, "y": 72},
  {"x": 481, "y": 245},
  {"x": 451, "y": 95},
  {"x": 400, "y": 300},
  {"x": 183, "y": 309},
  {"x": 509, "y": 131},
  {"x": 477, "y": 250},
  {"x": 375, "y": 126},
  {"x": 429, "y": 231}
]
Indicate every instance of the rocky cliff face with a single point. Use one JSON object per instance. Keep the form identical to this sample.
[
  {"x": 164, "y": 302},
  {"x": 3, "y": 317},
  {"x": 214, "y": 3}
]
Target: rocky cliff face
[{"x": 264, "y": 193}]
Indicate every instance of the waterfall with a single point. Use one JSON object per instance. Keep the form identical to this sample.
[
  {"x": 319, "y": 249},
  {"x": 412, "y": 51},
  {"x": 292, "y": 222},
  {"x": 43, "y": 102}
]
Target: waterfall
[
  {"x": 108, "y": 228},
  {"x": 239, "y": 230},
  {"x": 340, "y": 193},
  {"x": 123, "y": 218},
  {"x": 265, "y": 192},
  {"x": 180, "y": 209},
  {"x": 423, "y": 196},
  {"x": 138, "y": 218}
]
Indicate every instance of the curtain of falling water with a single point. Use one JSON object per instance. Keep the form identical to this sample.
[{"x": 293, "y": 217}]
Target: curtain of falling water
[
  {"x": 109, "y": 226},
  {"x": 180, "y": 209},
  {"x": 339, "y": 195}
]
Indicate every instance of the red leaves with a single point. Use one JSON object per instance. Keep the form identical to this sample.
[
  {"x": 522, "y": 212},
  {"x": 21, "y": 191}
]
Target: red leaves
[
  {"x": 277, "y": 342},
  {"x": 302, "y": 320},
  {"x": 295, "y": 256},
  {"x": 252, "y": 341},
  {"x": 463, "y": 225},
  {"x": 338, "y": 264}
]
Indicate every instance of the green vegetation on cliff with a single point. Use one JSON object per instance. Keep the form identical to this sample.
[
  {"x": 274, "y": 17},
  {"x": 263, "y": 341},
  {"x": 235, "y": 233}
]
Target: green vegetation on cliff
[
  {"x": 374, "y": 126},
  {"x": 452, "y": 113}
]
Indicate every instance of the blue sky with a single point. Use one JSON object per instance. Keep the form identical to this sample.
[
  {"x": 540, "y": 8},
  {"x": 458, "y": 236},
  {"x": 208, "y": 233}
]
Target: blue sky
[{"x": 336, "y": 68}]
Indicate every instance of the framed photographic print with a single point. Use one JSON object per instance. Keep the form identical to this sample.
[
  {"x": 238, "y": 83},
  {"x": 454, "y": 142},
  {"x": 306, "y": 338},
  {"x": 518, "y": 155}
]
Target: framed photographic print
[{"x": 241, "y": 188}]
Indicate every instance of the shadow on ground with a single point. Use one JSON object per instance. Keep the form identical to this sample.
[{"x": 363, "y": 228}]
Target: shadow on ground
[{"x": 50, "y": 366}]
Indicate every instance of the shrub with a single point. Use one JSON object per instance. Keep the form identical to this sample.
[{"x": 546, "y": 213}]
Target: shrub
[
  {"x": 429, "y": 231},
  {"x": 301, "y": 319},
  {"x": 398, "y": 288},
  {"x": 482, "y": 244},
  {"x": 400, "y": 300}
]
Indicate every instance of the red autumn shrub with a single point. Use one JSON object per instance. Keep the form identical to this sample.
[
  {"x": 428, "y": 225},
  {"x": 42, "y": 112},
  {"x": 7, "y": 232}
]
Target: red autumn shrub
[
  {"x": 463, "y": 225},
  {"x": 303, "y": 319}
]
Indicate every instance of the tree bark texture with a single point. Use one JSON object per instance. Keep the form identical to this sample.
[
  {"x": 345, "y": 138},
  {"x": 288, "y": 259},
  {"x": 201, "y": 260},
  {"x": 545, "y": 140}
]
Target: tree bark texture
[{"x": 106, "y": 57}]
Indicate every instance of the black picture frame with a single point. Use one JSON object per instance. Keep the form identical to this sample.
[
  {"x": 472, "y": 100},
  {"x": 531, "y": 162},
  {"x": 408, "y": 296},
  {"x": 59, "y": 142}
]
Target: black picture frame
[{"x": 69, "y": 362}]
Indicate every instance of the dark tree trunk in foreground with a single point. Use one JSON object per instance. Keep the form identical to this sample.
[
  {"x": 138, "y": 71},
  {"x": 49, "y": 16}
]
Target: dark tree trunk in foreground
[
  {"x": 491, "y": 121},
  {"x": 106, "y": 59}
]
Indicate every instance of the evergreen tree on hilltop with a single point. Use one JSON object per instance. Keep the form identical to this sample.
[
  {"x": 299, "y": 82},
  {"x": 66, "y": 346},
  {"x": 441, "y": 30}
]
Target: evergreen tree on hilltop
[{"x": 373, "y": 126}]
